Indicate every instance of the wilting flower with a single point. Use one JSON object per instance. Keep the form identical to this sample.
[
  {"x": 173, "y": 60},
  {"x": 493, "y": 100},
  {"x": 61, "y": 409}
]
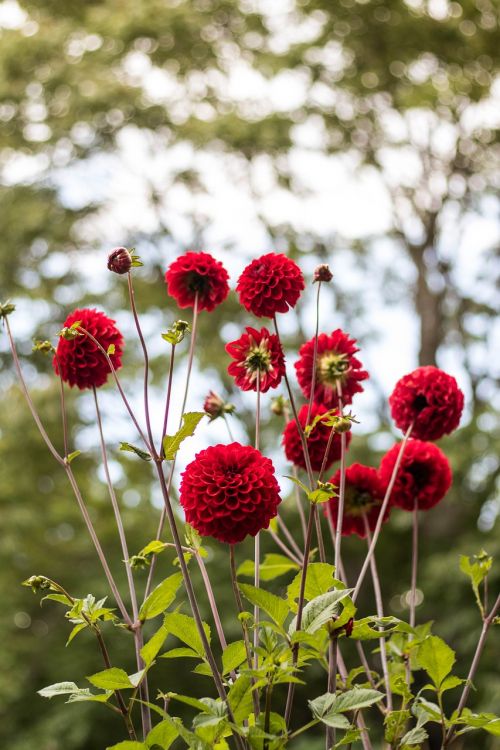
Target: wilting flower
[
  {"x": 215, "y": 406},
  {"x": 335, "y": 365},
  {"x": 317, "y": 441},
  {"x": 424, "y": 475},
  {"x": 229, "y": 491},
  {"x": 431, "y": 399},
  {"x": 322, "y": 273},
  {"x": 78, "y": 360},
  {"x": 197, "y": 273},
  {"x": 362, "y": 499},
  {"x": 270, "y": 284},
  {"x": 256, "y": 354}
]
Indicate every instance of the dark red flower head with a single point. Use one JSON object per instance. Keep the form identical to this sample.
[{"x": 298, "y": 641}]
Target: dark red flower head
[
  {"x": 229, "y": 491},
  {"x": 120, "y": 260},
  {"x": 431, "y": 399},
  {"x": 424, "y": 475},
  {"x": 79, "y": 361},
  {"x": 335, "y": 363},
  {"x": 270, "y": 284},
  {"x": 200, "y": 273},
  {"x": 317, "y": 440},
  {"x": 256, "y": 353},
  {"x": 362, "y": 499}
]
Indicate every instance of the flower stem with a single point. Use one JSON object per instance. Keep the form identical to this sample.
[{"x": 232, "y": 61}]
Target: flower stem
[
  {"x": 340, "y": 510},
  {"x": 256, "y": 611},
  {"x": 381, "y": 514},
  {"x": 315, "y": 355},
  {"x": 211, "y": 599},
  {"x": 146, "y": 360},
  {"x": 380, "y": 613},
  {"x": 414, "y": 563}
]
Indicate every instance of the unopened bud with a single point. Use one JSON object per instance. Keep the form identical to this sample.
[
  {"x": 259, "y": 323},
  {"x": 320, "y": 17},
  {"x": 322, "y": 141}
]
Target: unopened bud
[
  {"x": 36, "y": 583},
  {"x": 6, "y": 308},
  {"x": 322, "y": 273},
  {"x": 279, "y": 405},
  {"x": 45, "y": 347},
  {"x": 120, "y": 260},
  {"x": 215, "y": 406},
  {"x": 343, "y": 424}
]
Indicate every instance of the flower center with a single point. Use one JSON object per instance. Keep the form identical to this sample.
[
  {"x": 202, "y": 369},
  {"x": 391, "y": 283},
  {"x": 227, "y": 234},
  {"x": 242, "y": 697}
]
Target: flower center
[
  {"x": 258, "y": 359},
  {"x": 419, "y": 402},
  {"x": 420, "y": 472},
  {"x": 358, "y": 502},
  {"x": 332, "y": 367},
  {"x": 197, "y": 283}
]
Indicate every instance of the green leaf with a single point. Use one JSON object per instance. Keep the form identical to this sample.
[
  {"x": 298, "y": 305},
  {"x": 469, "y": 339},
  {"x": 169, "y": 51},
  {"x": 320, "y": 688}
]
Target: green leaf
[
  {"x": 476, "y": 568},
  {"x": 58, "y": 688},
  {"x": 324, "y": 492},
  {"x": 86, "y": 695},
  {"x": 171, "y": 443},
  {"x": 297, "y": 481},
  {"x": 414, "y": 736},
  {"x": 329, "y": 707},
  {"x": 138, "y": 451},
  {"x": 319, "y": 580},
  {"x": 318, "y": 611},
  {"x": 71, "y": 456},
  {"x": 181, "y": 653},
  {"x": 370, "y": 628},
  {"x": 161, "y": 597},
  {"x": 487, "y": 721},
  {"x": 188, "y": 701},
  {"x": 271, "y": 567},
  {"x": 352, "y": 735},
  {"x": 162, "y": 735},
  {"x": 273, "y": 605},
  {"x": 184, "y": 628},
  {"x": 128, "y": 745},
  {"x": 81, "y": 626},
  {"x": 451, "y": 682},
  {"x": 153, "y": 548},
  {"x": 436, "y": 657},
  {"x": 395, "y": 725},
  {"x": 232, "y": 656},
  {"x": 240, "y": 698},
  {"x": 176, "y": 332},
  {"x": 357, "y": 698},
  {"x": 111, "y": 679}
]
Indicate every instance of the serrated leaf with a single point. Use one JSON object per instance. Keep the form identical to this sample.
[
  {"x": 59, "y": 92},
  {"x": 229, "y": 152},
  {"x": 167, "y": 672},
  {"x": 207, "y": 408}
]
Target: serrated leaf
[
  {"x": 77, "y": 629},
  {"x": 161, "y": 597},
  {"x": 319, "y": 580},
  {"x": 395, "y": 725},
  {"x": 85, "y": 695},
  {"x": 172, "y": 443},
  {"x": 58, "y": 688},
  {"x": 318, "y": 611},
  {"x": 181, "y": 653},
  {"x": 134, "y": 449},
  {"x": 476, "y": 568},
  {"x": 184, "y": 628},
  {"x": 273, "y": 605},
  {"x": 352, "y": 735},
  {"x": 162, "y": 735},
  {"x": 128, "y": 745},
  {"x": 451, "y": 682},
  {"x": 436, "y": 657},
  {"x": 232, "y": 656},
  {"x": 240, "y": 698},
  {"x": 414, "y": 736},
  {"x": 271, "y": 567},
  {"x": 111, "y": 679}
]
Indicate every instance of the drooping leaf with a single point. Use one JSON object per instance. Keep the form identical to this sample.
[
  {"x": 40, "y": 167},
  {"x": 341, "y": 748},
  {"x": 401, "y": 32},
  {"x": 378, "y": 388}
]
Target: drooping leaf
[
  {"x": 58, "y": 688},
  {"x": 172, "y": 443},
  {"x": 134, "y": 449},
  {"x": 85, "y": 695},
  {"x": 181, "y": 653},
  {"x": 161, "y": 597}
]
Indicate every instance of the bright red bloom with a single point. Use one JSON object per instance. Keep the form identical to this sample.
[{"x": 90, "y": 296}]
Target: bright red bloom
[
  {"x": 270, "y": 284},
  {"x": 229, "y": 491},
  {"x": 431, "y": 399},
  {"x": 79, "y": 361},
  {"x": 200, "y": 273},
  {"x": 424, "y": 475},
  {"x": 335, "y": 363},
  {"x": 362, "y": 499},
  {"x": 256, "y": 352},
  {"x": 317, "y": 440}
]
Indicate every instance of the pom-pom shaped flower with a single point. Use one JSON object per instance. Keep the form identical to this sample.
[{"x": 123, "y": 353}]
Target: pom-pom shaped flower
[
  {"x": 424, "y": 475},
  {"x": 197, "y": 273},
  {"x": 79, "y": 360},
  {"x": 258, "y": 356},
  {"x": 431, "y": 399},
  {"x": 229, "y": 491},
  {"x": 317, "y": 441},
  {"x": 270, "y": 284},
  {"x": 362, "y": 500},
  {"x": 335, "y": 365}
]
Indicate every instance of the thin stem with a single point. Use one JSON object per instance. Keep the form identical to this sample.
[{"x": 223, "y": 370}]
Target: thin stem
[
  {"x": 63, "y": 409},
  {"x": 321, "y": 542},
  {"x": 414, "y": 564},
  {"x": 288, "y": 552},
  {"x": 267, "y": 717},
  {"x": 340, "y": 510},
  {"x": 145, "y": 711},
  {"x": 167, "y": 399},
  {"x": 381, "y": 514},
  {"x": 289, "y": 536},
  {"x": 300, "y": 608},
  {"x": 365, "y": 739},
  {"x": 315, "y": 354},
  {"x": 228, "y": 426},
  {"x": 244, "y": 628},
  {"x": 380, "y": 613},
  {"x": 295, "y": 474},
  {"x": 487, "y": 622},
  {"x": 146, "y": 361},
  {"x": 211, "y": 599},
  {"x": 332, "y": 683},
  {"x": 256, "y": 611}
]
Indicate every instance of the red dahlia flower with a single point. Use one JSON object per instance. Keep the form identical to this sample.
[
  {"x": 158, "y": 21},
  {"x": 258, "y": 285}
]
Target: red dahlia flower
[
  {"x": 335, "y": 363},
  {"x": 270, "y": 284},
  {"x": 362, "y": 499},
  {"x": 200, "y": 273},
  {"x": 256, "y": 352},
  {"x": 424, "y": 475},
  {"x": 317, "y": 440},
  {"x": 79, "y": 361},
  {"x": 229, "y": 491},
  {"x": 431, "y": 399}
]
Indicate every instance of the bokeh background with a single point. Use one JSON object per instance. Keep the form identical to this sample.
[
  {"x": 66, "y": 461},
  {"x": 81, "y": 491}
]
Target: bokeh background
[{"x": 362, "y": 133}]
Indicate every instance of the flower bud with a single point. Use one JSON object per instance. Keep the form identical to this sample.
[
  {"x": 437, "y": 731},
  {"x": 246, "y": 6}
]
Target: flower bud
[
  {"x": 215, "y": 406},
  {"x": 120, "y": 260},
  {"x": 6, "y": 308},
  {"x": 322, "y": 273}
]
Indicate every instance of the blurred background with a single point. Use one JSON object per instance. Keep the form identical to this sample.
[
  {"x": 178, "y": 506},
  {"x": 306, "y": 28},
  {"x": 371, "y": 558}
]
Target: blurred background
[{"x": 362, "y": 133}]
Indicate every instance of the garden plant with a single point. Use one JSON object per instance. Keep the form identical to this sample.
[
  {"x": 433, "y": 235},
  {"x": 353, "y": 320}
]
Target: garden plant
[{"x": 296, "y": 610}]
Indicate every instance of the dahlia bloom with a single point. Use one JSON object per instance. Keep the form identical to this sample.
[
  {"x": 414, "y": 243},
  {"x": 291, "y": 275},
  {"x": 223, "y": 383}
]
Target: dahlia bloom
[
  {"x": 362, "y": 499},
  {"x": 270, "y": 284},
  {"x": 256, "y": 352},
  {"x": 79, "y": 361},
  {"x": 431, "y": 399},
  {"x": 229, "y": 491},
  {"x": 197, "y": 273},
  {"x": 335, "y": 363},
  {"x": 317, "y": 441},
  {"x": 424, "y": 475}
]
